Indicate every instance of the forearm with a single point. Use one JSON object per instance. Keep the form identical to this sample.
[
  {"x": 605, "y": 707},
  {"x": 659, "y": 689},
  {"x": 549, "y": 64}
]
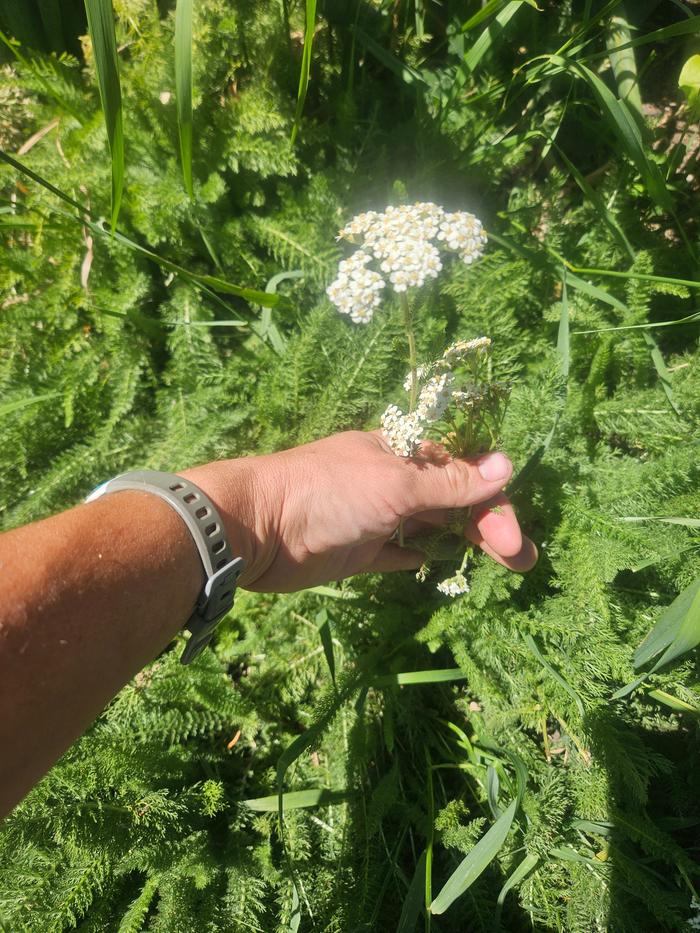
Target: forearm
[{"x": 90, "y": 597}]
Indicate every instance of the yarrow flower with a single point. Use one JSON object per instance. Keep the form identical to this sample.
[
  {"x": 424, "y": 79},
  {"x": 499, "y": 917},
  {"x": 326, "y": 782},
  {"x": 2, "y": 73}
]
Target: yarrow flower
[
  {"x": 435, "y": 397},
  {"x": 400, "y": 240},
  {"x": 454, "y": 586},
  {"x": 403, "y": 432},
  {"x": 356, "y": 290},
  {"x": 421, "y": 372},
  {"x": 461, "y": 349},
  {"x": 693, "y": 922},
  {"x": 463, "y": 233}
]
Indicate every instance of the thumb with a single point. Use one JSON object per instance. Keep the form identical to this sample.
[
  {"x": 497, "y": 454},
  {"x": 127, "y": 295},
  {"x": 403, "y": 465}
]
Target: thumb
[{"x": 443, "y": 483}]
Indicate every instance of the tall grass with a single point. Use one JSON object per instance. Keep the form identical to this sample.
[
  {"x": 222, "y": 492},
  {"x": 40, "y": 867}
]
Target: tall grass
[{"x": 104, "y": 47}]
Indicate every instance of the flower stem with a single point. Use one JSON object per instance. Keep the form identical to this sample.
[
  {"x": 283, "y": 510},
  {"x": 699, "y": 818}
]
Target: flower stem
[
  {"x": 413, "y": 366},
  {"x": 412, "y": 359}
]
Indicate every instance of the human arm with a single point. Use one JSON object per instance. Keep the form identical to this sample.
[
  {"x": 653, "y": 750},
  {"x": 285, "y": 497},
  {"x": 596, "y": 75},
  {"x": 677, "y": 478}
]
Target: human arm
[{"x": 92, "y": 595}]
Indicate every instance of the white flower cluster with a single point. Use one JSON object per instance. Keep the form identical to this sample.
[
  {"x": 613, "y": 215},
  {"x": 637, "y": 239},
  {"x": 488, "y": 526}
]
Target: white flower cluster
[
  {"x": 400, "y": 241},
  {"x": 435, "y": 397},
  {"x": 463, "y": 233},
  {"x": 458, "y": 351},
  {"x": 693, "y": 923},
  {"x": 421, "y": 373},
  {"x": 454, "y": 586},
  {"x": 356, "y": 290},
  {"x": 403, "y": 431}
]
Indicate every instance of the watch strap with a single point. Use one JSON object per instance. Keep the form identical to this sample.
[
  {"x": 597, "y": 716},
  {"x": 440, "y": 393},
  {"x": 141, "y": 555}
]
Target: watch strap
[{"x": 207, "y": 529}]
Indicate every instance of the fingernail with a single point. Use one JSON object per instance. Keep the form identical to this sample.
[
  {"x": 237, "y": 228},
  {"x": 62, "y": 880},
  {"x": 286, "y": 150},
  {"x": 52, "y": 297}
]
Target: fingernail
[{"x": 494, "y": 466}]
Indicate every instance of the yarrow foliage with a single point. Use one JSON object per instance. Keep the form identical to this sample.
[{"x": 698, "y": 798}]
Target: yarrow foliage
[{"x": 405, "y": 243}]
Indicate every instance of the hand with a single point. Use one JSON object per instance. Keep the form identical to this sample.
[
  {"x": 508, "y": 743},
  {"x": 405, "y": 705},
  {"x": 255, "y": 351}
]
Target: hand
[{"x": 327, "y": 510}]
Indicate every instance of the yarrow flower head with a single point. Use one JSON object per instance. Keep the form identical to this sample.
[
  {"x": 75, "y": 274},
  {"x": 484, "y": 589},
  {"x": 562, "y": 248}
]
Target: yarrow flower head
[
  {"x": 439, "y": 387},
  {"x": 402, "y": 432},
  {"x": 435, "y": 397},
  {"x": 454, "y": 586},
  {"x": 693, "y": 922},
  {"x": 404, "y": 243},
  {"x": 463, "y": 348},
  {"x": 421, "y": 373},
  {"x": 356, "y": 290}
]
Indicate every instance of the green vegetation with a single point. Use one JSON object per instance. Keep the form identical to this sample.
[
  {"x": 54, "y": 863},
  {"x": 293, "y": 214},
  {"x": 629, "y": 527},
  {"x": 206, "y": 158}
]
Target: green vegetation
[{"x": 497, "y": 757}]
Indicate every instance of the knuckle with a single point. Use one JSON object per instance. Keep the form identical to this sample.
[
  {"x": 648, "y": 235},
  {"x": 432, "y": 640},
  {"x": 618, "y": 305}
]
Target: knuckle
[{"x": 457, "y": 479}]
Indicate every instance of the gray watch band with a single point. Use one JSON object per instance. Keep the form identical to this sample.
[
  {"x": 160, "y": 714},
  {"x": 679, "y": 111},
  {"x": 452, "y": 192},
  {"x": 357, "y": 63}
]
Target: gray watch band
[{"x": 206, "y": 527}]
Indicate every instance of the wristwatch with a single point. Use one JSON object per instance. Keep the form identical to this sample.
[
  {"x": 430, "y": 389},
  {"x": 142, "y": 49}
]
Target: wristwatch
[{"x": 206, "y": 527}]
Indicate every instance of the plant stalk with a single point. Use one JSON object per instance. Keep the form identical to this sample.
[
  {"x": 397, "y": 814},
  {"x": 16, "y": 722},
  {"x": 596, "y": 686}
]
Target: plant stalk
[{"x": 412, "y": 358}]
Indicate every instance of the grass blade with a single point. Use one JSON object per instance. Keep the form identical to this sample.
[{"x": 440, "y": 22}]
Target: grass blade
[
  {"x": 677, "y": 631},
  {"x": 183, "y": 87},
  {"x": 519, "y": 873},
  {"x": 565, "y": 685},
  {"x": 488, "y": 9},
  {"x": 210, "y": 284},
  {"x": 403, "y": 71},
  {"x": 661, "y": 370},
  {"x": 668, "y": 629},
  {"x": 413, "y": 901},
  {"x": 492, "y": 790},
  {"x": 673, "y": 702},
  {"x": 669, "y": 520},
  {"x": 563, "y": 347},
  {"x": 478, "y": 859},
  {"x": 480, "y": 47},
  {"x": 8, "y": 407},
  {"x": 295, "y": 800},
  {"x": 411, "y": 678},
  {"x": 484, "y": 852},
  {"x": 690, "y": 26},
  {"x": 690, "y": 319},
  {"x": 491, "y": 34},
  {"x": 567, "y": 854},
  {"x": 656, "y": 356},
  {"x": 305, "y": 65},
  {"x": 100, "y": 18},
  {"x": 326, "y": 637},
  {"x": 627, "y": 131},
  {"x": 623, "y": 61}
]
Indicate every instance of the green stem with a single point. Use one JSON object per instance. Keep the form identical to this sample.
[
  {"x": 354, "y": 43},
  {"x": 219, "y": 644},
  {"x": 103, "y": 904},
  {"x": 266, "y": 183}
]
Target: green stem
[
  {"x": 429, "y": 846},
  {"x": 412, "y": 358},
  {"x": 413, "y": 366}
]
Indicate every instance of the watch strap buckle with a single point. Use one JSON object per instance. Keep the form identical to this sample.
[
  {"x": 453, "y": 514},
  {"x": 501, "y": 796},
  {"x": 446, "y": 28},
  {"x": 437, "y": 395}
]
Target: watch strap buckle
[{"x": 215, "y": 602}]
